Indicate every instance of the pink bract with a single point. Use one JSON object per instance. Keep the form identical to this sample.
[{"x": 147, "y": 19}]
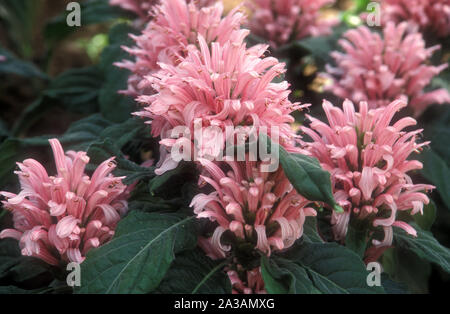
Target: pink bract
[
  {"x": 60, "y": 218},
  {"x": 253, "y": 282},
  {"x": 428, "y": 15},
  {"x": 219, "y": 85},
  {"x": 367, "y": 157},
  {"x": 175, "y": 25},
  {"x": 282, "y": 21},
  {"x": 256, "y": 207},
  {"x": 380, "y": 70}
]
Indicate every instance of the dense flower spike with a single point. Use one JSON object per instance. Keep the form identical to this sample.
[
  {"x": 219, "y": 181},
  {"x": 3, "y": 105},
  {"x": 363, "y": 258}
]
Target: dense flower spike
[
  {"x": 282, "y": 21},
  {"x": 175, "y": 25},
  {"x": 429, "y": 15},
  {"x": 380, "y": 70},
  {"x": 255, "y": 207},
  {"x": 252, "y": 284},
  {"x": 219, "y": 85},
  {"x": 60, "y": 218},
  {"x": 367, "y": 159}
]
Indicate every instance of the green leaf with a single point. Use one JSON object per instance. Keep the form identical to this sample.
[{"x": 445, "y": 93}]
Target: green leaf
[
  {"x": 426, "y": 220},
  {"x": 193, "y": 269},
  {"x": 305, "y": 174},
  {"x": 437, "y": 171},
  {"x": 14, "y": 65},
  {"x": 102, "y": 150},
  {"x": 138, "y": 257},
  {"x": 356, "y": 240},
  {"x": 332, "y": 268},
  {"x": 310, "y": 231},
  {"x": 424, "y": 246},
  {"x": 283, "y": 276},
  {"x": 406, "y": 270},
  {"x": 77, "y": 89},
  {"x": 391, "y": 286},
  {"x": 319, "y": 47}
]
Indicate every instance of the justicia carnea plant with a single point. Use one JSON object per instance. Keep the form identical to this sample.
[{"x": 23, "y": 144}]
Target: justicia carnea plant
[
  {"x": 176, "y": 25},
  {"x": 255, "y": 211},
  {"x": 219, "y": 85},
  {"x": 380, "y": 69},
  {"x": 60, "y": 218},
  {"x": 429, "y": 15},
  {"x": 367, "y": 157},
  {"x": 283, "y": 21}
]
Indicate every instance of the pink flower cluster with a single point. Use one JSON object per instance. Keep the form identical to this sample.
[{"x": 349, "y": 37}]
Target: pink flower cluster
[
  {"x": 252, "y": 206},
  {"x": 282, "y": 21},
  {"x": 253, "y": 283},
  {"x": 380, "y": 70},
  {"x": 214, "y": 78},
  {"x": 60, "y": 218},
  {"x": 367, "y": 157},
  {"x": 176, "y": 24},
  {"x": 428, "y": 15}
]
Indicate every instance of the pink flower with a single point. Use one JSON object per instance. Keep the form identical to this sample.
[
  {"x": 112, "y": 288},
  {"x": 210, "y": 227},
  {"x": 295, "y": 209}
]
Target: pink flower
[
  {"x": 429, "y": 15},
  {"x": 2, "y": 58},
  {"x": 175, "y": 25},
  {"x": 379, "y": 70},
  {"x": 367, "y": 157},
  {"x": 251, "y": 284},
  {"x": 219, "y": 85},
  {"x": 258, "y": 208},
  {"x": 283, "y": 21},
  {"x": 60, "y": 218}
]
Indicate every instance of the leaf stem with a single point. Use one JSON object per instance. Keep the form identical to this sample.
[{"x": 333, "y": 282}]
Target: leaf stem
[{"x": 209, "y": 275}]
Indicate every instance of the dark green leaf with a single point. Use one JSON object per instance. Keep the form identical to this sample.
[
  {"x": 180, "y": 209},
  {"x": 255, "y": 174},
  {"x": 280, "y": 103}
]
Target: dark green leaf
[
  {"x": 139, "y": 255},
  {"x": 332, "y": 268},
  {"x": 438, "y": 172},
  {"x": 190, "y": 270},
  {"x": 426, "y": 220},
  {"x": 425, "y": 246},
  {"x": 356, "y": 240},
  {"x": 305, "y": 174}
]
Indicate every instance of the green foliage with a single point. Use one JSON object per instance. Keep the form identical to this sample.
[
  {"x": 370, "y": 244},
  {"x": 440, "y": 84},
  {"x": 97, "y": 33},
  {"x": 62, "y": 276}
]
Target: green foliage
[
  {"x": 424, "y": 245},
  {"x": 305, "y": 174},
  {"x": 316, "y": 268},
  {"x": 139, "y": 255}
]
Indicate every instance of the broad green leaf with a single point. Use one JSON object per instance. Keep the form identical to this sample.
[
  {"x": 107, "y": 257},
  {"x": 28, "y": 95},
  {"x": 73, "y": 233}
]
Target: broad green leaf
[
  {"x": 391, "y": 286},
  {"x": 438, "y": 172},
  {"x": 310, "y": 231},
  {"x": 102, "y": 150},
  {"x": 426, "y": 220},
  {"x": 14, "y": 65},
  {"x": 406, "y": 270},
  {"x": 16, "y": 269},
  {"x": 305, "y": 174},
  {"x": 194, "y": 270},
  {"x": 77, "y": 89},
  {"x": 319, "y": 47},
  {"x": 332, "y": 268},
  {"x": 356, "y": 240},
  {"x": 424, "y": 246},
  {"x": 138, "y": 257},
  {"x": 283, "y": 276}
]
